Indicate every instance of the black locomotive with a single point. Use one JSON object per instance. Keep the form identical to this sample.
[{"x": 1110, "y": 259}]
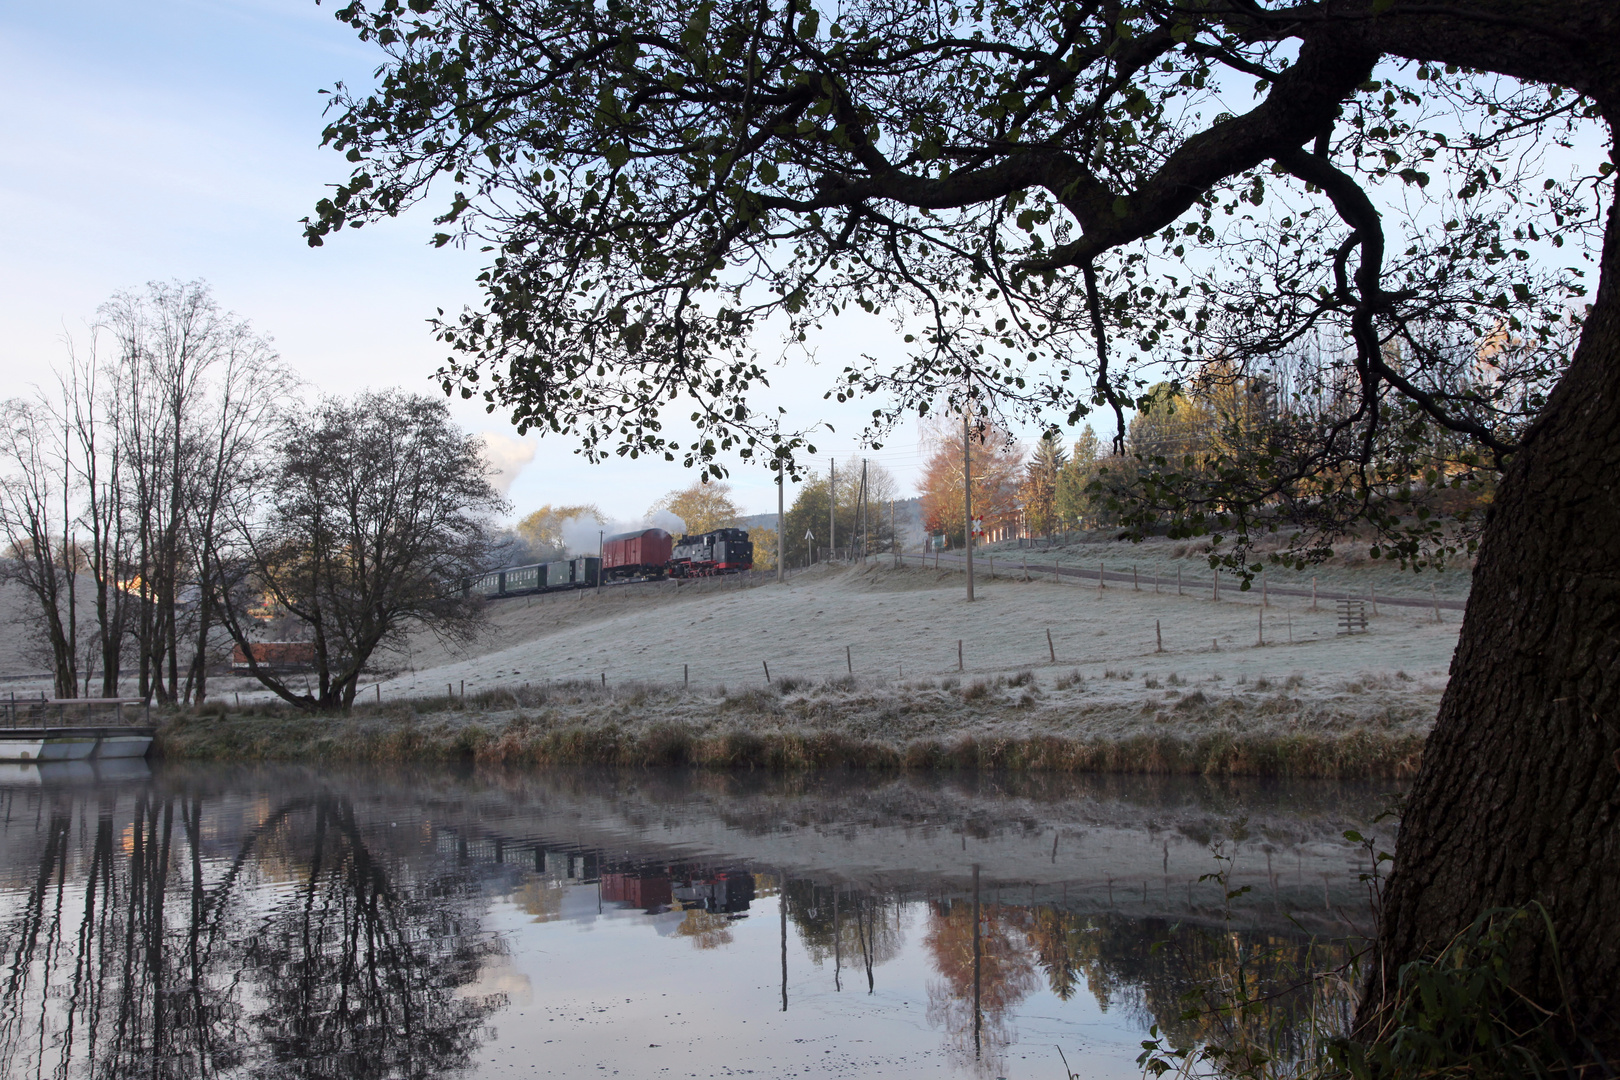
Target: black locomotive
[{"x": 723, "y": 551}]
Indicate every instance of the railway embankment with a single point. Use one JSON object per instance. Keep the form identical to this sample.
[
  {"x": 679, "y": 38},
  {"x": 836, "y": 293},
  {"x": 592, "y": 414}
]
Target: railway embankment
[{"x": 1151, "y": 667}]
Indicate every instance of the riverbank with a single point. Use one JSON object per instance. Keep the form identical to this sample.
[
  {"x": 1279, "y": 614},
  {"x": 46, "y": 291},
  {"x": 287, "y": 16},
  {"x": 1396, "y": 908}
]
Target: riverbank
[{"x": 1049, "y": 721}]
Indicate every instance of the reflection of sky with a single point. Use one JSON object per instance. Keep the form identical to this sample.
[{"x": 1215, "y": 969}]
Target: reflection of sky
[{"x": 620, "y": 993}]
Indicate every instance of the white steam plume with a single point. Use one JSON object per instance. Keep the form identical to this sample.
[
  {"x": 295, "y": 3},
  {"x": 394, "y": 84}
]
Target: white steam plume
[
  {"x": 506, "y": 457},
  {"x": 581, "y": 535}
]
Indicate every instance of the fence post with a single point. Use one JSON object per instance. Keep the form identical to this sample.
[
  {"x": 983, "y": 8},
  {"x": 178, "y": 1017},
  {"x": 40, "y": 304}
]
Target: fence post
[
  {"x": 1158, "y": 636},
  {"x": 1051, "y": 651},
  {"x": 849, "y": 661},
  {"x": 1100, "y": 584},
  {"x": 1217, "y": 594},
  {"x": 1434, "y": 596},
  {"x": 958, "y": 654}
]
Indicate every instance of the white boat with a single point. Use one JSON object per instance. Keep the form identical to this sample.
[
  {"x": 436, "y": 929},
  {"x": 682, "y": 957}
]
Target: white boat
[
  {"x": 73, "y": 744},
  {"x": 20, "y": 748},
  {"x": 123, "y": 745},
  {"x": 75, "y": 747}
]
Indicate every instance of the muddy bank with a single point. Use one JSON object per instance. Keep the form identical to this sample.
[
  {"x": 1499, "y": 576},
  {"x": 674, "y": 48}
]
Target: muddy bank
[{"x": 1009, "y": 722}]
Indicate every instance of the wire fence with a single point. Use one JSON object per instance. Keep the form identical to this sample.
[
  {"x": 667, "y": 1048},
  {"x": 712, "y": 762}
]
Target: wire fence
[{"x": 1214, "y": 585}]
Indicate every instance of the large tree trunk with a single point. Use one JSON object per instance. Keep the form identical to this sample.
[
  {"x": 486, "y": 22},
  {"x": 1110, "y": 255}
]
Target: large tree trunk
[{"x": 1518, "y": 798}]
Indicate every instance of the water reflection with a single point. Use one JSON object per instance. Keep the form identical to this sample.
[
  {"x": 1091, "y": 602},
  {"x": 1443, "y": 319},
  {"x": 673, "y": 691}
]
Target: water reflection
[
  {"x": 211, "y": 922},
  {"x": 139, "y": 941}
]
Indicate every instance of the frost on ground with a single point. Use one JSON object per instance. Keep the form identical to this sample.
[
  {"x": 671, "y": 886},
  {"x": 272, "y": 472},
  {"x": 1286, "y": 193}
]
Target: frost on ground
[{"x": 872, "y": 652}]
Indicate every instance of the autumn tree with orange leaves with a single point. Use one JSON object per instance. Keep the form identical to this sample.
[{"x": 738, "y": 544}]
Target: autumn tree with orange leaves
[{"x": 997, "y": 462}]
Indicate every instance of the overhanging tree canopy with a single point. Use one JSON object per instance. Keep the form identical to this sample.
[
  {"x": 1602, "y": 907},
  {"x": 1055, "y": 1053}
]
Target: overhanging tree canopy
[{"x": 1397, "y": 204}]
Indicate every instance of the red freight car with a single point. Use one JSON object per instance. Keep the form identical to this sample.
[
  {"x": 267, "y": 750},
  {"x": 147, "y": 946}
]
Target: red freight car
[
  {"x": 637, "y": 890},
  {"x": 277, "y": 655},
  {"x": 637, "y": 554}
]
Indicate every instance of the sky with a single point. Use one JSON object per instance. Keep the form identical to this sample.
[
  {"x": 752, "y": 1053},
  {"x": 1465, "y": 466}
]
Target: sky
[{"x": 180, "y": 139}]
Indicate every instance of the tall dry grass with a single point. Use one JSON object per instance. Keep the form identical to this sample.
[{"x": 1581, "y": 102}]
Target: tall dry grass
[{"x": 378, "y": 737}]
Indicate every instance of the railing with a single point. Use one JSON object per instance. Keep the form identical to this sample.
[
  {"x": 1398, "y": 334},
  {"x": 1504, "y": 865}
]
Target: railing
[{"x": 46, "y": 712}]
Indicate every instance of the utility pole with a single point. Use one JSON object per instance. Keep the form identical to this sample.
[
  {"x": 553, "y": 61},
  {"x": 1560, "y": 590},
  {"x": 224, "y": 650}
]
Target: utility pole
[
  {"x": 894, "y": 537},
  {"x": 781, "y": 524},
  {"x": 967, "y": 493},
  {"x": 866, "y": 528},
  {"x": 601, "y": 547},
  {"x": 832, "y": 508}
]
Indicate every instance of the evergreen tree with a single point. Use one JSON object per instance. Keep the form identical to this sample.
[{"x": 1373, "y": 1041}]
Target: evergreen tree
[
  {"x": 1040, "y": 484},
  {"x": 1071, "y": 499}
]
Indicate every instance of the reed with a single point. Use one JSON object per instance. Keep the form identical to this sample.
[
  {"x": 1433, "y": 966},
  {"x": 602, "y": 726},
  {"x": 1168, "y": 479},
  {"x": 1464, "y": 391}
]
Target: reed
[{"x": 1360, "y": 754}]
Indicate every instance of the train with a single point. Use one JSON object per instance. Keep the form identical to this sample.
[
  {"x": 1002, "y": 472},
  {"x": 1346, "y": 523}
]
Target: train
[
  {"x": 581, "y": 573},
  {"x": 643, "y": 555}
]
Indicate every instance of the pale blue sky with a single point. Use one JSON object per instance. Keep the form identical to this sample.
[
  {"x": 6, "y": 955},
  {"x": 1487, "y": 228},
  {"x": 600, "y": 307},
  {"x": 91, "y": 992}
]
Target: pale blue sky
[{"x": 180, "y": 139}]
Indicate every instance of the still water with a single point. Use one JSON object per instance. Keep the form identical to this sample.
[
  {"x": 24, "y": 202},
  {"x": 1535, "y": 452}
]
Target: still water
[{"x": 191, "y": 921}]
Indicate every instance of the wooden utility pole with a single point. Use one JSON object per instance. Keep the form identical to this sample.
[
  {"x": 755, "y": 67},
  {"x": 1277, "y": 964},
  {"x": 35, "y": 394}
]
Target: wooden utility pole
[
  {"x": 978, "y": 1012},
  {"x": 832, "y": 508},
  {"x": 781, "y": 525},
  {"x": 967, "y": 495},
  {"x": 866, "y": 527}
]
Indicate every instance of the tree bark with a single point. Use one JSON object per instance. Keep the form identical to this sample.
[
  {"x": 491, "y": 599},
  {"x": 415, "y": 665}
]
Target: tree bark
[{"x": 1518, "y": 796}]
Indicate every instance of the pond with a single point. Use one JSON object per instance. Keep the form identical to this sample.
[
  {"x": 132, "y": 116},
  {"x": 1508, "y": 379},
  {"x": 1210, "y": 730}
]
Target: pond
[{"x": 184, "y": 921}]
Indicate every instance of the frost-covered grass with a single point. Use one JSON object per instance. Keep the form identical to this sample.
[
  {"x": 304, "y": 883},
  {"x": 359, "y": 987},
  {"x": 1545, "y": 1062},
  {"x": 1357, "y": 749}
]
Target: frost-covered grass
[
  {"x": 667, "y": 673},
  {"x": 1018, "y": 721}
]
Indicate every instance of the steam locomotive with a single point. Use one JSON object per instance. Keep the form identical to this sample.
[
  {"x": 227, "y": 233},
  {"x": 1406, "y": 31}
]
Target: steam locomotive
[
  {"x": 644, "y": 555},
  {"x": 654, "y": 553}
]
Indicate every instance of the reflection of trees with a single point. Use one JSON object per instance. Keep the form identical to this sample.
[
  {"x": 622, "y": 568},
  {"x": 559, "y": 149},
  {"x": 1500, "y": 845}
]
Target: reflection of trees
[
  {"x": 1006, "y": 975},
  {"x": 707, "y": 929},
  {"x": 540, "y": 898},
  {"x": 1184, "y": 978},
  {"x": 359, "y": 977},
  {"x": 135, "y": 951},
  {"x": 846, "y": 926},
  {"x": 1054, "y": 935},
  {"x": 119, "y": 966}
]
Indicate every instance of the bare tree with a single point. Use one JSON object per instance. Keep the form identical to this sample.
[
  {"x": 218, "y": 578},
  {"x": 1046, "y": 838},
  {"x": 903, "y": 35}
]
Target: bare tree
[
  {"x": 35, "y": 514},
  {"x": 196, "y": 388},
  {"x": 377, "y": 512},
  {"x": 92, "y": 414},
  {"x": 230, "y": 451}
]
